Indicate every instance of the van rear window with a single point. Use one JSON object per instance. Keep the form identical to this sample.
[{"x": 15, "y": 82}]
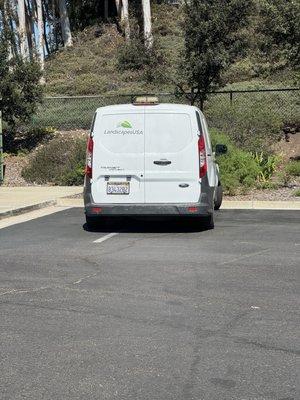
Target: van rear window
[
  {"x": 167, "y": 133},
  {"x": 122, "y": 133}
]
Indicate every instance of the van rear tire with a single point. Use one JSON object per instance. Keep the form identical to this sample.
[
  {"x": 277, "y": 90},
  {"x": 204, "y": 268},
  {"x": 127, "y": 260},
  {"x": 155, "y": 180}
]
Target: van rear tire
[
  {"x": 208, "y": 222},
  {"x": 205, "y": 223},
  {"x": 93, "y": 222},
  {"x": 218, "y": 197}
]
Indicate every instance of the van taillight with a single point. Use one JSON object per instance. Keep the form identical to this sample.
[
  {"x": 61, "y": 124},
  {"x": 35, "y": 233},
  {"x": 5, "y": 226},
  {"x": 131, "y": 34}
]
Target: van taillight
[
  {"x": 202, "y": 157},
  {"x": 89, "y": 158}
]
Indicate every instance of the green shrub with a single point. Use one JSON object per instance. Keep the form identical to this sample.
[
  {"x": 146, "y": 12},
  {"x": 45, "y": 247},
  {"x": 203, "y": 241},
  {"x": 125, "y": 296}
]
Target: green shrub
[
  {"x": 297, "y": 193},
  {"x": 218, "y": 137},
  {"x": 238, "y": 168},
  {"x": 131, "y": 55},
  {"x": 60, "y": 162},
  {"x": 24, "y": 141},
  {"x": 74, "y": 177},
  {"x": 267, "y": 164},
  {"x": 284, "y": 179},
  {"x": 20, "y": 91},
  {"x": 293, "y": 168},
  {"x": 150, "y": 62},
  {"x": 267, "y": 185}
]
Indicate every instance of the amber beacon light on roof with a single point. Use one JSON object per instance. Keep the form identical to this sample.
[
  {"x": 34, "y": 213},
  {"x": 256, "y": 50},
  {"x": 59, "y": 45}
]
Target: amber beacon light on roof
[{"x": 145, "y": 101}]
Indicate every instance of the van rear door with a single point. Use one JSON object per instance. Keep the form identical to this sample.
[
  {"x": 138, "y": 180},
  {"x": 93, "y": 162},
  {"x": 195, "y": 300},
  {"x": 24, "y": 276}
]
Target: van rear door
[
  {"x": 171, "y": 157},
  {"x": 118, "y": 158}
]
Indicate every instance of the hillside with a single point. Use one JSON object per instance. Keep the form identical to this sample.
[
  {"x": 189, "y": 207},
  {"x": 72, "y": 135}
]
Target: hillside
[{"x": 91, "y": 66}]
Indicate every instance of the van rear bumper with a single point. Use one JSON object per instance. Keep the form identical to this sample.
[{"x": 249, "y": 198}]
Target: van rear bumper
[{"x": 204, "y": 208}]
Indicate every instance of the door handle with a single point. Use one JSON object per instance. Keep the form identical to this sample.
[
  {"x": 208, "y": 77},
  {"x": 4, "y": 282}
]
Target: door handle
[{"x": 162, "y": 162}]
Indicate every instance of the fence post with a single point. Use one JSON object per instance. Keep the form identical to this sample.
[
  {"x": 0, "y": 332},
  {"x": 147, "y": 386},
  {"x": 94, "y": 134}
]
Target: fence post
[
  {"x": 1, "y": 151},
  {"x": 231, "y": 97}
]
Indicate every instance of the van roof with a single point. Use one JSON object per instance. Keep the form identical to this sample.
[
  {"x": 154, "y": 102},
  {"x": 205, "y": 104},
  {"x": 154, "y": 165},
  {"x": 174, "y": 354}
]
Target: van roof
[{"x": 160, "y": 107}]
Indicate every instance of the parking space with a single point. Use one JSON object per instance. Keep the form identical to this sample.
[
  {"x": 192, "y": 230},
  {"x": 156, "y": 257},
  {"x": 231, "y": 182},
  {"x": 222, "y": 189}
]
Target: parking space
[{"x": 150, "y": 309}]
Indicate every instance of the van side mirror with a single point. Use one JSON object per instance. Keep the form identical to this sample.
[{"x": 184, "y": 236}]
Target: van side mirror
[{"x": 221, "y": 149}]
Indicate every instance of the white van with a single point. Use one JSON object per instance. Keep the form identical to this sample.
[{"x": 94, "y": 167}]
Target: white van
[{"x": 151, "y": 159}]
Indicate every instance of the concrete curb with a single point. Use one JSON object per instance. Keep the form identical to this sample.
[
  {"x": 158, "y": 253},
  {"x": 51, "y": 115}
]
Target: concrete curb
[
  {"x": 261, "y": 205},
  {"x": 69, "y": 202},
  {"x": 26, "y": 209}
]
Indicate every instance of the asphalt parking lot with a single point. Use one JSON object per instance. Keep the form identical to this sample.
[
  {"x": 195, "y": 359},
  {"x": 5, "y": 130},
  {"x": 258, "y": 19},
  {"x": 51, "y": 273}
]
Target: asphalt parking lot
[{"x": 150, "y": 310}]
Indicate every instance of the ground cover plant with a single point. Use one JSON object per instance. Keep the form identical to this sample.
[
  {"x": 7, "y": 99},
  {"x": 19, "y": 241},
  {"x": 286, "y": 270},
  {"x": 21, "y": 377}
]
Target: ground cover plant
[
  {"x": 240, "y": 169},
  {"x": 293, "y": 168},
  {"x": 60, "y": 162}
]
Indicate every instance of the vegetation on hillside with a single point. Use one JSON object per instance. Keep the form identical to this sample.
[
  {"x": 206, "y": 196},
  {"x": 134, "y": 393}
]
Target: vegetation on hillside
[
  {"x": 60, "y": 162},
  {"x": 204, "y": 45},
  {"x": 19, "y": 88},
  {"x": 208, "y": 51},
  {"x": 102, "y": 62}
]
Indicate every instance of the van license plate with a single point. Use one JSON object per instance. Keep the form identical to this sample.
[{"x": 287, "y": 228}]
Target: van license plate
[{"x": 118, "y": 187}]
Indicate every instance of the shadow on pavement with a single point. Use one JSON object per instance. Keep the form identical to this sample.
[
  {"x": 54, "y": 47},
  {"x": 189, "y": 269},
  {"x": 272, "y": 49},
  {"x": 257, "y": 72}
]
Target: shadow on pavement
[{"x": 150, "y": 225}]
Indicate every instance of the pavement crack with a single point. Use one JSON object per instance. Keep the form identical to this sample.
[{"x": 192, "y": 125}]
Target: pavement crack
[
  {"x": 242, "y": 257},
  {"x": 99, "y": 313},
  {"x": 265, "y": 346},
  {"x": 201, "y": 334}
]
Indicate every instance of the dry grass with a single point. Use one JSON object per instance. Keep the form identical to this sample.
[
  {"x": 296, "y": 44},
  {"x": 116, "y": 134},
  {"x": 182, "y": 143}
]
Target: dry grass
[{"x": 90, "y": 66}]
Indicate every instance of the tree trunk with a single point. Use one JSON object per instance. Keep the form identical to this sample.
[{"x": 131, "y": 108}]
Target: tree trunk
[
  {"x": 22, "y": 29},
  {"x": 125, "y": 19},
  {"x": 147, "y": 24},
  {"x": 40, "y": 28},
  {"x": 45, "y": 30},
  {"x": 65, "y": 24},
  {"x": 118, "y": 7},
  {"x": 105, "y": 10},
  {"x": 55, "y": 25},
  {"x": 30, "y": 28},
  {"x": 8, "y": 9}
]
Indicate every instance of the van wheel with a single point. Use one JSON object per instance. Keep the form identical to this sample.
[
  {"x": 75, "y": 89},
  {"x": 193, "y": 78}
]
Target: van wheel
[
  {"x": 93, "y": 222},
  {"x": 218, "y": 197},
  {"x": 208, "y": 222}
]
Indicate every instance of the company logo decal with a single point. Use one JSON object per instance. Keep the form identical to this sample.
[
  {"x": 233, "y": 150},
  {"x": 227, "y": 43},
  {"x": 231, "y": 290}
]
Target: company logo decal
[
  {"x": 123, "y": 128},
  {"x": 124, "y": 124}
]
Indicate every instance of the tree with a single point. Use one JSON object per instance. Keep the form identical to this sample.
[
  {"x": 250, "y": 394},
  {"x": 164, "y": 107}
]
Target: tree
[
  {"x": 20, "y": 91},
  {"x": 279, "y": 25},
  {"x": 65, "y": 24},
  {"x": 212, "y": 43},
  {"x": 147, "y": 24}
]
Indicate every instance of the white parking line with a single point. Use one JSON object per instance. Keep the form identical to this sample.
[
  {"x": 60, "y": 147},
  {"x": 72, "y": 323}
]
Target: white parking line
[{"x": 103, "y": 238}]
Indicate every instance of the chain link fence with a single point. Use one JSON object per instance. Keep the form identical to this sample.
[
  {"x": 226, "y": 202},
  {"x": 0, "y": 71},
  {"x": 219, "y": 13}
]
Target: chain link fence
[{"x": 223, "y": 108}]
